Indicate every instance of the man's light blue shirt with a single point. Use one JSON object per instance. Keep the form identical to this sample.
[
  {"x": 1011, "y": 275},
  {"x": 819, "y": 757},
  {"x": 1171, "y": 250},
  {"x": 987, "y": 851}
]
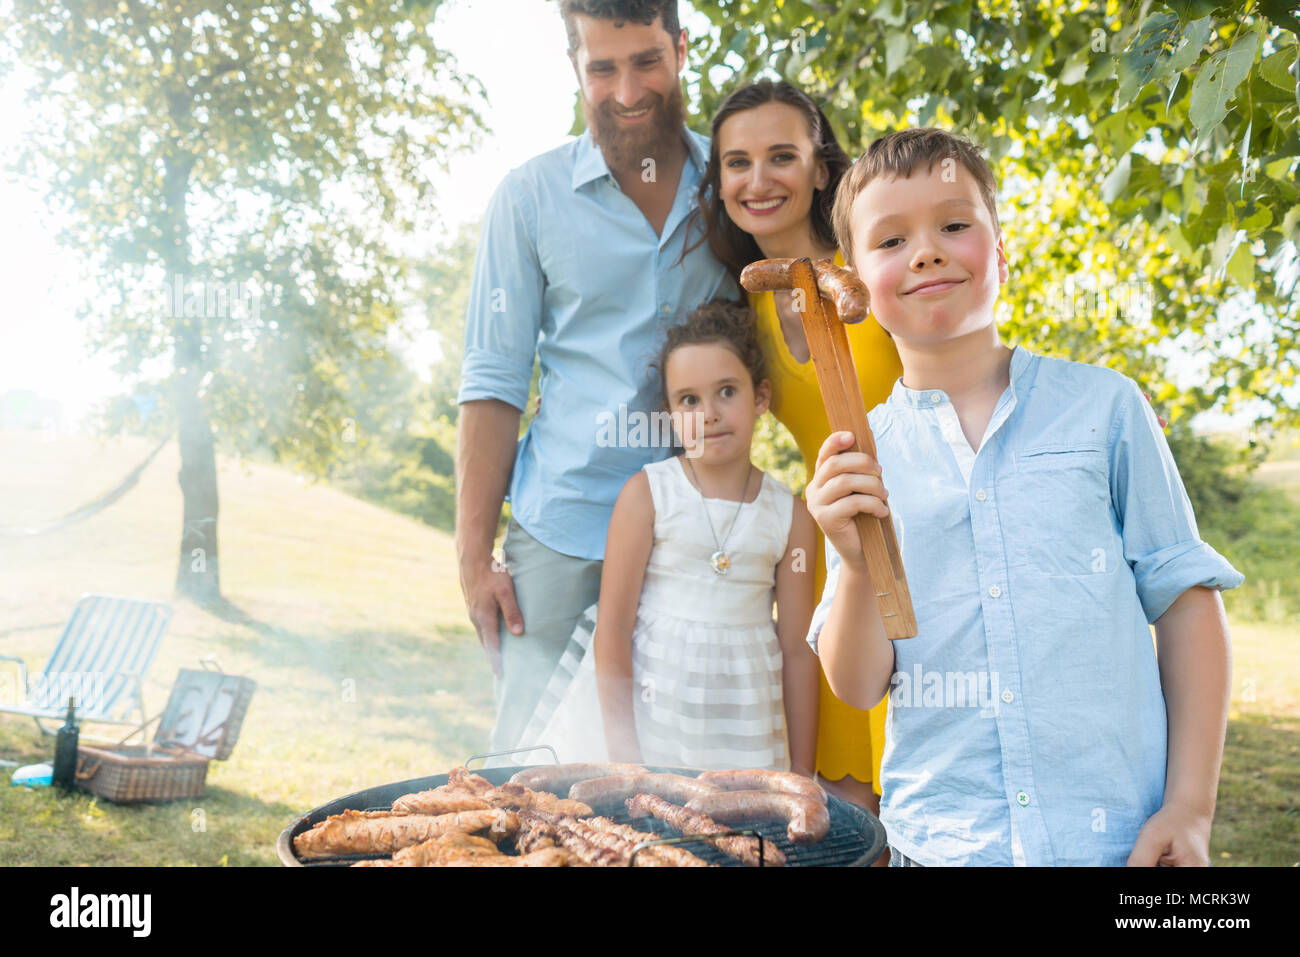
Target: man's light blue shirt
[
  {"x": 569, "y": 269},
  {"x": 1026, "y": 722}
]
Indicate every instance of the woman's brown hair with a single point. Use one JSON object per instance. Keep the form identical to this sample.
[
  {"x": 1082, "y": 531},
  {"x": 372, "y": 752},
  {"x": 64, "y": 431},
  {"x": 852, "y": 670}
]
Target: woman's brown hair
[{"x": 731, "y": 245}]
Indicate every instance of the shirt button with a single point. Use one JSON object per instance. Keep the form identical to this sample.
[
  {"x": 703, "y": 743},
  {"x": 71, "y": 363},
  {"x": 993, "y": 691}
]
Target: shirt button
[
  {"x": 666, "y": 310},
  {"x": 995, "y": 592},
  {"x": 936, "y": 397},
  {"x": 1022, "y": 798},
  {"x": 981, "y": 495},
  {"x": 1007, "y": 696}
]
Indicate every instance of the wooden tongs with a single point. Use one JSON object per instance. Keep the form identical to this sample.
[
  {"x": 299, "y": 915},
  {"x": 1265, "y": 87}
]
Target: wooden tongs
[{"x": 828, "y": 296}]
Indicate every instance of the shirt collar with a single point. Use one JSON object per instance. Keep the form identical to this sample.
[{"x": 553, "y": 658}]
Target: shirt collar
[
  {"x": 1021, "y": 359},
  {"x": 590, "y": 162}
]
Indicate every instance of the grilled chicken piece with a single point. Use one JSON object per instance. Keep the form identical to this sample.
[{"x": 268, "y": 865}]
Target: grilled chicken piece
[
  {"x": 547, "y": 857},
  {"x": 743, "y": 849},
  {"x": 511, "y": 795},
  {"x": 518, "y": 796},
  {"x": 454, "y": 850},
  {"x": 382, "y": 832},
  {"x": 441, "y": 800},
  {"x": 438, "y": 851}
]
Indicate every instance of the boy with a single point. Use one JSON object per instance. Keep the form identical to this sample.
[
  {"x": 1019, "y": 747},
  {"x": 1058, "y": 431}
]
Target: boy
[{"x": 1042, "y": 524}]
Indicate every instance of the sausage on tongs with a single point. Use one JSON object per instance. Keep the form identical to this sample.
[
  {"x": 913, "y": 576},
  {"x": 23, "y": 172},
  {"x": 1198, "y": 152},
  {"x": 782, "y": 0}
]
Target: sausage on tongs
[{"x": 842, "y": 286}]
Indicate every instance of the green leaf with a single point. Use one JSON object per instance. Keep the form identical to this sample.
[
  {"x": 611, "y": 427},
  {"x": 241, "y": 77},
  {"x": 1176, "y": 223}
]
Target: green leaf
[
  {"x": 1279, "y": 167},
  {"x": 1281, "y": 12},
  {"x": 1195, "y": 35},
  {"x": 1245, "y": 154},
  {"x": 1075, "y": 68},
  {"x": 1149, "y": 57},
  {"x": 1189, "y": 10},
  {"x": 1257, "y": 221},
  {"x": 891, "y": 12},
  {"x": 1117, "y": 180},
  {"x": 1291, "y": 224},
  {"x": 1224, "y": 245},
  {"x": 1241, "y": 267},
  {"x": 1276, "y": 68},
  {"x": 896, "y": 49},
  {"x": 1218, "y": 80}
]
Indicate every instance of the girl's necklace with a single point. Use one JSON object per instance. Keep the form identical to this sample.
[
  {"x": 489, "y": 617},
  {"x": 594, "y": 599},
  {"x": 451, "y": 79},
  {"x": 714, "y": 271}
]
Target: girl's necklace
[{"x": 719, "y": 561}]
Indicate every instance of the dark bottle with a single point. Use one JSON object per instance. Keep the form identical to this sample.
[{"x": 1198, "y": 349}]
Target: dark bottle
[{"x": 65, "y": 750}]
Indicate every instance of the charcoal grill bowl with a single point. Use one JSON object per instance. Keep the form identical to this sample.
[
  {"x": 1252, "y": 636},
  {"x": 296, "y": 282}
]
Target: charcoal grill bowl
[{"x": 846, "y": 818}]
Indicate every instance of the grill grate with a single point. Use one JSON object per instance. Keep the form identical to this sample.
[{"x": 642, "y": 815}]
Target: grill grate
[{"x": 855, "y": 838}]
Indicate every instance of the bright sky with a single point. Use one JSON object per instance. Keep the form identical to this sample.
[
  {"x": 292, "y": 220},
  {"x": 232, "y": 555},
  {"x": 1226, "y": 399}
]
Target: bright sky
[{"x": 515, "y": 47}]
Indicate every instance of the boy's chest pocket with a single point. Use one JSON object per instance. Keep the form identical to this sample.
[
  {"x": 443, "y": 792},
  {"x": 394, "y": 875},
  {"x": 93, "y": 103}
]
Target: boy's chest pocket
[{"x": 1056, "y": 513}]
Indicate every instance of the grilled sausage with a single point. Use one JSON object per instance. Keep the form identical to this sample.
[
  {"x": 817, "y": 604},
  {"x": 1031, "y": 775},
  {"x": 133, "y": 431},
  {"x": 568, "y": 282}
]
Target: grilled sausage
[
  {"x": 558, "y": 778},
  {"x": 842, "y": 286},
  {"x": 743, "y": 849},
  {"x": 808, "y": 820},
  {"x": 754, "y": 780},
  {"x": 614, "y": 790}
]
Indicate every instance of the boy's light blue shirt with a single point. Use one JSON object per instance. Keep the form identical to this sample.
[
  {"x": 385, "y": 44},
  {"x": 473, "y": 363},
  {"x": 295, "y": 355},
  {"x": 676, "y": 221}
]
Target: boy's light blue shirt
[
  {"x": 569, "y": 269},
  {"x": 1026, "y": 722}
]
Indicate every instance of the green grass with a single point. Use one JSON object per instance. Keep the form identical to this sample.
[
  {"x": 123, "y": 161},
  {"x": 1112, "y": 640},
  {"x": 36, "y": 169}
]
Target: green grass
[{"x": 368, "y": 671}]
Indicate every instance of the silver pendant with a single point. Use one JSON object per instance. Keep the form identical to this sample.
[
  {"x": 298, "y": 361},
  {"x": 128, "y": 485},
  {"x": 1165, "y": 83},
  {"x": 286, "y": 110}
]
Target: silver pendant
[{"x": 720, "y": 562}]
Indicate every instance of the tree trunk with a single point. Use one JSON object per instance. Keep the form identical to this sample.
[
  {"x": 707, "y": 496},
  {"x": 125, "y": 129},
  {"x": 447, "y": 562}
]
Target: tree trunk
[{"x": 198, "y": 573}]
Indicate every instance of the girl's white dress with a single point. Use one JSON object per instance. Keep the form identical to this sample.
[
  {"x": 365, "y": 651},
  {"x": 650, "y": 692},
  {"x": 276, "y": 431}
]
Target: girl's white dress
[{"x": 706, "y": 660}]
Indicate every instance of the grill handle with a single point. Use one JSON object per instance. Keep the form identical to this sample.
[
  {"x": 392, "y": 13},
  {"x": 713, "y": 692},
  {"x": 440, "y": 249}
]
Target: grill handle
[
  {"x": 707, "y": 838},
  {"x": 555, "y": 758}
]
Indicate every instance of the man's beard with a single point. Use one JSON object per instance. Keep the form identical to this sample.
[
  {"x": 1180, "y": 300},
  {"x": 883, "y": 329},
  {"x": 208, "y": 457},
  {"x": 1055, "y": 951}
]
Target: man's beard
[{"x": 628, "y": 148}]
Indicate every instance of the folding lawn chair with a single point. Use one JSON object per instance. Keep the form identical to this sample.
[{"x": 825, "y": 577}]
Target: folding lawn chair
[{"x": 100, "y": 660}]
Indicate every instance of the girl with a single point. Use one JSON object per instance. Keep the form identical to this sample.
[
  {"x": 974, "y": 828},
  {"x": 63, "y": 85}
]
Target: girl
[
  {"x": 767, "y": 193},
  {"x": 686, "y": 667}
]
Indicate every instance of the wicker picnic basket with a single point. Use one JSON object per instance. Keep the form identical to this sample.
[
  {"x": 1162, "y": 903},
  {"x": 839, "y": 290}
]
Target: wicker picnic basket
[
  {"x": 201, "y": 722},
  {"x": 136, "y": 775}
]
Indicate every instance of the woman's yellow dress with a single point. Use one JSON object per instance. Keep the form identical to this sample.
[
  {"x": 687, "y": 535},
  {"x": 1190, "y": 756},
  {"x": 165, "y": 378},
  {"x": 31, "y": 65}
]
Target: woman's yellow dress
[{"x": 849, "y": 741}]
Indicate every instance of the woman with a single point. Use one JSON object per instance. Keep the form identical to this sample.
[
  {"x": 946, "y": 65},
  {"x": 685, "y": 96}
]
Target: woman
[{"x": 767, "y": 193}]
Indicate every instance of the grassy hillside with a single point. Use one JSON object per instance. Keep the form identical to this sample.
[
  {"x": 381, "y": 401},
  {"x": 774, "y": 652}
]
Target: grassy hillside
[
  {"x": 366, "y": 666},
  {"x": 368, "y": 671}
]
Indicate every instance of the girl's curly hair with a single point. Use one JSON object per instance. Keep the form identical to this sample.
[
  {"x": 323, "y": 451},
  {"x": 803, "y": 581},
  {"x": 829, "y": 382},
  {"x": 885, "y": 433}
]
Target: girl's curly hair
[{"x": 722, "y": 321}]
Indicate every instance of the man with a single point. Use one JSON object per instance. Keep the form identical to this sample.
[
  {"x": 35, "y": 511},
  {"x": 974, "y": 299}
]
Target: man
[{"x": 579, "y": 263}]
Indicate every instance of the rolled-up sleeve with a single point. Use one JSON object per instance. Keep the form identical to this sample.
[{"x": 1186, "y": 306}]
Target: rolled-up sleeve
[
  {"x": 1161, "y": 541},
  {"x": 505, "y": 302},
  {"x": 823, "y": 609}
]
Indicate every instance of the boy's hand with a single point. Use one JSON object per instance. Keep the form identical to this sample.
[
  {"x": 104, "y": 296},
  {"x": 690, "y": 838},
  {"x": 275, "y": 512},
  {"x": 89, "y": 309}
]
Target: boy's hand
[
  {"x": 1175, "y": 836},
  {"x": 844, "y": 485}
]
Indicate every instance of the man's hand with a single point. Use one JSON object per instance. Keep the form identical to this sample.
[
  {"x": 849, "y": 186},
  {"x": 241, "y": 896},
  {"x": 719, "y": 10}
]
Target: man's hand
[
  {"x": 489, "y": 593},
  {"x": 487, "y": 431},
  {"x": 845, "y": 484},
  {"x": 1175, "y": 836}
]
